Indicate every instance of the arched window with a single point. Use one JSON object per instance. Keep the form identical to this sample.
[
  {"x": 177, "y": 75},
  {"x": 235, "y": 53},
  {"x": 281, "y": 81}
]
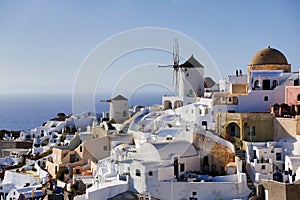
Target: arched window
[
  {"x": 256, "y": 84},
  {"x": 275, "y": 83},
  {"x": 266, "y": 98},
  {"x": 298, "y": 97}
]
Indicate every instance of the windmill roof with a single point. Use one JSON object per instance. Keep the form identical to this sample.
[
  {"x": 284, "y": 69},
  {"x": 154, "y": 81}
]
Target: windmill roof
[
  {"x": 119, "y": 97},
  {"x": 191, "y": 63}
]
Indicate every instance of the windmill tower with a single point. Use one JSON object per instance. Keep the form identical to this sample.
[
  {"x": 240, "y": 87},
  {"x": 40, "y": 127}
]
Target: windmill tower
[{"x": 191, "y": 82}]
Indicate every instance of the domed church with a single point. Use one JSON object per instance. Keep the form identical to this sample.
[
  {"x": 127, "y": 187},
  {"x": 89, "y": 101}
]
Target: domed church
[
  {"x": 269, "y": 59},
  {"x": 267, "y": 69}
]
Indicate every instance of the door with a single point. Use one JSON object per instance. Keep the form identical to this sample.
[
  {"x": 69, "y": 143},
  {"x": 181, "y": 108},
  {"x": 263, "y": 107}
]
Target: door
[
  {"x": 176, "y": 167},
  {"x": 266, "y": 84}
]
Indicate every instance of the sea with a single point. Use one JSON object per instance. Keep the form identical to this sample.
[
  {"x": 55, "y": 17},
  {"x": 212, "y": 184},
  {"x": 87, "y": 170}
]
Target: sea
[{"x": 27, "y": 111}]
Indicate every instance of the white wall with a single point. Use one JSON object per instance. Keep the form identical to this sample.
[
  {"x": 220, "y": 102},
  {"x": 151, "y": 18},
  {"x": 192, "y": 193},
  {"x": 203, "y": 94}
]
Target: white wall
[
  {"x": 224, "y": 84},
  {"x": 190, "y": 164},
  {"x": 166, "y": 173},
  {"x": 18, "y": 179},
  {"x": 197, "y": 112},
  {"x": 118, "y": 108},
  {"x": 205, "y": 190},
  {"x": 293, "y": 163},
  {"x": 254, "y": 101},
  {"x": 106, "y": 190},
  {"x": 190, "y": 80}
]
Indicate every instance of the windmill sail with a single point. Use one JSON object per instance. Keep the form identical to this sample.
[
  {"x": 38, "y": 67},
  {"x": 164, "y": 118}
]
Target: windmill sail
[{"x": 175, "y": 66}]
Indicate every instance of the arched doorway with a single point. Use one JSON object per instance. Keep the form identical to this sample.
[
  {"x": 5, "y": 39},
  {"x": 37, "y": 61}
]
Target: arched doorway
[
  {"x": 233, "y": 129},
  {"x": 178, "y": 104},
  {"x": 167, "y": 104}
]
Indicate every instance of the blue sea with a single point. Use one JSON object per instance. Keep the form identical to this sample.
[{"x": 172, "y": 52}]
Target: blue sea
[{"x": 25, "y": 111}]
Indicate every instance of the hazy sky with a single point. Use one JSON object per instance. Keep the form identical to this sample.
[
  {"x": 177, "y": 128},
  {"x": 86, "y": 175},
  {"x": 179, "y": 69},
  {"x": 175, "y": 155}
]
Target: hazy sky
[{"x": 44, "y": 43}]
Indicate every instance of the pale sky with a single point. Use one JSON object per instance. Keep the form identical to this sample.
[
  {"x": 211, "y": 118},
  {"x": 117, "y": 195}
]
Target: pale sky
[{"x": 44, "y": 43}]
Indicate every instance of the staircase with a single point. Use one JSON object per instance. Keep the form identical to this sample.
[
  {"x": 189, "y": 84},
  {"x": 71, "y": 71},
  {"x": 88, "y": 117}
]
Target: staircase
[
  {"x": 251, "y": 186},
  {"x": 239, "y": 153}
]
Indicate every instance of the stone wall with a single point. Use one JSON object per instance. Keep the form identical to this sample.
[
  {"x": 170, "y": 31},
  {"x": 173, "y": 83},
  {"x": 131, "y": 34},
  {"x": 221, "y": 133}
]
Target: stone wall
[
  {"x": 218, "y": 155},
  {"x": 281, "y": 191},
  {"x": 15, "y": 145},
  {"x": 263, "y": 123}
]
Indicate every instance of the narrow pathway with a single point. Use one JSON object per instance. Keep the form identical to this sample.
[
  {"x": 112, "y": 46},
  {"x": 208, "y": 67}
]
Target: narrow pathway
[{"x": 250, "y": 184}]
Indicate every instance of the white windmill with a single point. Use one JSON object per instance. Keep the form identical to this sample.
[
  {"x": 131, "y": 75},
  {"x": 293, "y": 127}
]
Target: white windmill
[{"x": 190, "y": 75}]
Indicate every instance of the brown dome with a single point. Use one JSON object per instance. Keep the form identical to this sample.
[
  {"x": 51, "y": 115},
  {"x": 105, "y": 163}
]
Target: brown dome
[{"x": 268, "y": 56}]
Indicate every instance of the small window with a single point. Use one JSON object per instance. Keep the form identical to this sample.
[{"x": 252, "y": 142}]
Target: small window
[
  {"x": 278, "y": 156},
  {"x": 298, "y": 97},
  {"x": 194, "y": 193},
  {"x": 266, "y": 98},
  {"x": 182, "y": 167},
  {"x": 104, "y": 148},
  {"x": 187, "y": 74},
  {"x": 251, "y": 130},
  {"x": 263, "y": 167},
  {"x": 150, "y": 173},
  {"x": 80, "y": 148},
  {"x": 137, "y": 172}
]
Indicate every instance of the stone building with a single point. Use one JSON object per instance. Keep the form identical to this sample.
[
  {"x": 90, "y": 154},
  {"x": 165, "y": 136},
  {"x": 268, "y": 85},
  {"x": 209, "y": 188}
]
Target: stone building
[{"x": 279, "y": 191}]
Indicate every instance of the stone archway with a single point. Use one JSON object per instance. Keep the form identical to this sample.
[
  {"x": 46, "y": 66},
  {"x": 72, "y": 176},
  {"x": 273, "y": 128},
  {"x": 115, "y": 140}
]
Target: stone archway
[
  {"x": 167, "y": 104},
  {"x": 178, "y": 104},
  {"x": 233, "y": 129}
]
